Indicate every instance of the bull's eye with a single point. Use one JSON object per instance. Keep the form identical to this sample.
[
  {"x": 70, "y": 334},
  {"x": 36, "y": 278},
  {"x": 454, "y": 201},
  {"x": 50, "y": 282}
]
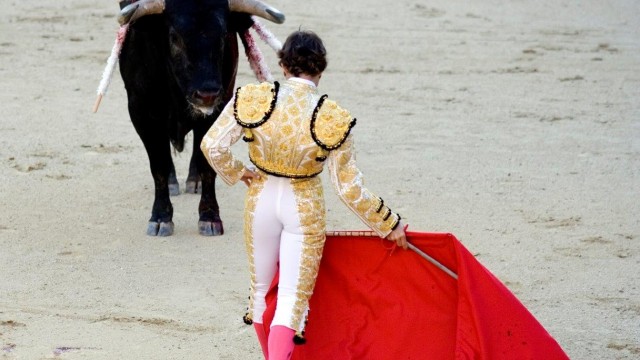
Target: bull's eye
[{"x": 175, "y": 42}]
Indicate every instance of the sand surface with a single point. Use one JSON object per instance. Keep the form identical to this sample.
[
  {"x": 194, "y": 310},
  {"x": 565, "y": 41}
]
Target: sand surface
[{"x": 514, "y": 125}]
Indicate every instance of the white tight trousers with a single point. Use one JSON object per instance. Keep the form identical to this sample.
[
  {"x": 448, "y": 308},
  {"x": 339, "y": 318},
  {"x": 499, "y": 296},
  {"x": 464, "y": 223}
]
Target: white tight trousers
[{"x": 278, "y": 238}]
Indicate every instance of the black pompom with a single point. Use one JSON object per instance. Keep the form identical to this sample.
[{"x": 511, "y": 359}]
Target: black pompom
[
  {"x": 299, "y": 339},
  {"x": 247, "y": 320}
]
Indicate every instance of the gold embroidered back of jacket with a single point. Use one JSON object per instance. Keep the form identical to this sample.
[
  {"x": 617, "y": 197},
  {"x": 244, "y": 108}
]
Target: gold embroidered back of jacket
[{"x": 290, "y": 128}]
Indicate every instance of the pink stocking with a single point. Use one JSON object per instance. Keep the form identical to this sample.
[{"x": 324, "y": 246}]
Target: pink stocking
[
  {"x": 280, "y": 343},
  {"x": 262, "y": 338}
]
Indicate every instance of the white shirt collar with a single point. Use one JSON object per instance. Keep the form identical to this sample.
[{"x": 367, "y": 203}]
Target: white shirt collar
[{"x": 301, "y": 80}]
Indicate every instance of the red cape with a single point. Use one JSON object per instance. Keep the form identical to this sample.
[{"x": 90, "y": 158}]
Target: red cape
[{"x": 371, "y": 303}]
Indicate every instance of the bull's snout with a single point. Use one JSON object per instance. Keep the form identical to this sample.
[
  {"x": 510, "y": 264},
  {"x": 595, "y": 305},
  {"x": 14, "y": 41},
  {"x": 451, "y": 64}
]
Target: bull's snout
[
  {"x": 205, "y": 100},
  {"x": 206, "y": 97}
]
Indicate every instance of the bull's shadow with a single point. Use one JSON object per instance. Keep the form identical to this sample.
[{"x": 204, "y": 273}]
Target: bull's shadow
[{"x": 178, "y": 63}]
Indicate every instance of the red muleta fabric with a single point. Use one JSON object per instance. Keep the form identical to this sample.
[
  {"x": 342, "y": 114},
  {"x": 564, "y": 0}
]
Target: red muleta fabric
[{"x": 373, "y": 303}]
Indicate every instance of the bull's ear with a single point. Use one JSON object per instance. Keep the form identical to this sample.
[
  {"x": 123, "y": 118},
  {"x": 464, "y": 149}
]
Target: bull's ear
[
  {"x": 239, "y": 22},
  {"x": 258, "y": 8}
]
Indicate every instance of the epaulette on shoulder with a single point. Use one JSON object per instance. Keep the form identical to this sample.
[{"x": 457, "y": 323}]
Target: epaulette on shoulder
[
  {"x": 254, "y": 103},
  {"x": 330, "y": 124}
]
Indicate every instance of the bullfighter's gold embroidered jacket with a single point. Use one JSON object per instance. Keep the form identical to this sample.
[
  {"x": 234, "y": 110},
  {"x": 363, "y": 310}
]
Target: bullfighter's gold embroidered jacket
[{"x": 292, "y": 132}]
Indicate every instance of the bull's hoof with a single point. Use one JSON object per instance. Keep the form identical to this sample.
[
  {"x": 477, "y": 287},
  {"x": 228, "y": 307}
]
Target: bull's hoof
[
  {"x": 193, "y": 187},
  {"x": 174, "y": 189},
  {"x": 210, "y": 228},
  {"x": 160, "y": 229}
]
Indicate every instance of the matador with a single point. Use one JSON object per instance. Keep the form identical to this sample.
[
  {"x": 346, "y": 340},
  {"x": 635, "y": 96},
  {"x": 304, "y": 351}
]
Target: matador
[{"x": 291, "y": 133}]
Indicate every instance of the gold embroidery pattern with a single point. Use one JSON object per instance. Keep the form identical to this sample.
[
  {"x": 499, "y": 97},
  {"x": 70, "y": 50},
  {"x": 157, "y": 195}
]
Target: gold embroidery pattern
[
  {"x": 310, "y": 202},
  {"x": 283, "y": 172},
  {"x": 283, "y": 145},
  {"x": 330, "y": 124},
  {"x": 349, "y": 184},
  {"x": 250, "y": 207},
  {"x": 254, "y": 104},
  {"x": 216, "y": 145}
]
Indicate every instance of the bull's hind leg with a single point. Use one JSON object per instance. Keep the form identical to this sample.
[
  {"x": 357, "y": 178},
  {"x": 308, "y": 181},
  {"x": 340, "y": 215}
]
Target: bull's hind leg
[
  {"x": 210, "y": 223},
  {"x": 194, "y": 184}
]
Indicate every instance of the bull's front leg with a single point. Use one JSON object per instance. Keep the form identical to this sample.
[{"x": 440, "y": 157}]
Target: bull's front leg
[
  {"x": 156, "y": 143},
  {"x": 210, "y": 223}
]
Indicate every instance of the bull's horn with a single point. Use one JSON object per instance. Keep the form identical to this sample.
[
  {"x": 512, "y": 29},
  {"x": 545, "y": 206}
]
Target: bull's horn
[
  {"x": 258, "y": 8},
  {"x": 137, "y": 9}
]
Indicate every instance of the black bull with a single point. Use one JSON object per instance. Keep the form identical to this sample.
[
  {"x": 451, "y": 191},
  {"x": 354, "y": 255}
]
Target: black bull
[{"x": 178, "y": 63}]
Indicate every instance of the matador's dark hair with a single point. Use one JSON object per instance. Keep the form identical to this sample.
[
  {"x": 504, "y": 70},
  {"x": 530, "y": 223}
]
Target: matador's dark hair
[{"x": 303, "y": 53}]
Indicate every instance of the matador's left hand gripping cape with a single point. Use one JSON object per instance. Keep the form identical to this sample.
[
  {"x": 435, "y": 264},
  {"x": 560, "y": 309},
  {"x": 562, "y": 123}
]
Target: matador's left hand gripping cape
[{"x": 292, "y": 132}]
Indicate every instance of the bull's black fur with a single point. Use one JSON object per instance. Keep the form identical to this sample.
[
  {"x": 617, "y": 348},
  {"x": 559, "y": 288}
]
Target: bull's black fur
[{"x": 186, "y": 55}]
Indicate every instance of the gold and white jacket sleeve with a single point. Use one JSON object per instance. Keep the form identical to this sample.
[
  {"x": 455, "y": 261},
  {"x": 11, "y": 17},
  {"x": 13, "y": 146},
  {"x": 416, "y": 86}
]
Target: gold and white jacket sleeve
[
  {"x": 216, "y": 146},
  {"x": 349, "y": 185}
]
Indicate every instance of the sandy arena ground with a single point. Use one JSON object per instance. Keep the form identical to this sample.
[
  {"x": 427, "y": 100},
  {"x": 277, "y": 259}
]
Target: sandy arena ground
[{"x": 514, "y": 125}]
